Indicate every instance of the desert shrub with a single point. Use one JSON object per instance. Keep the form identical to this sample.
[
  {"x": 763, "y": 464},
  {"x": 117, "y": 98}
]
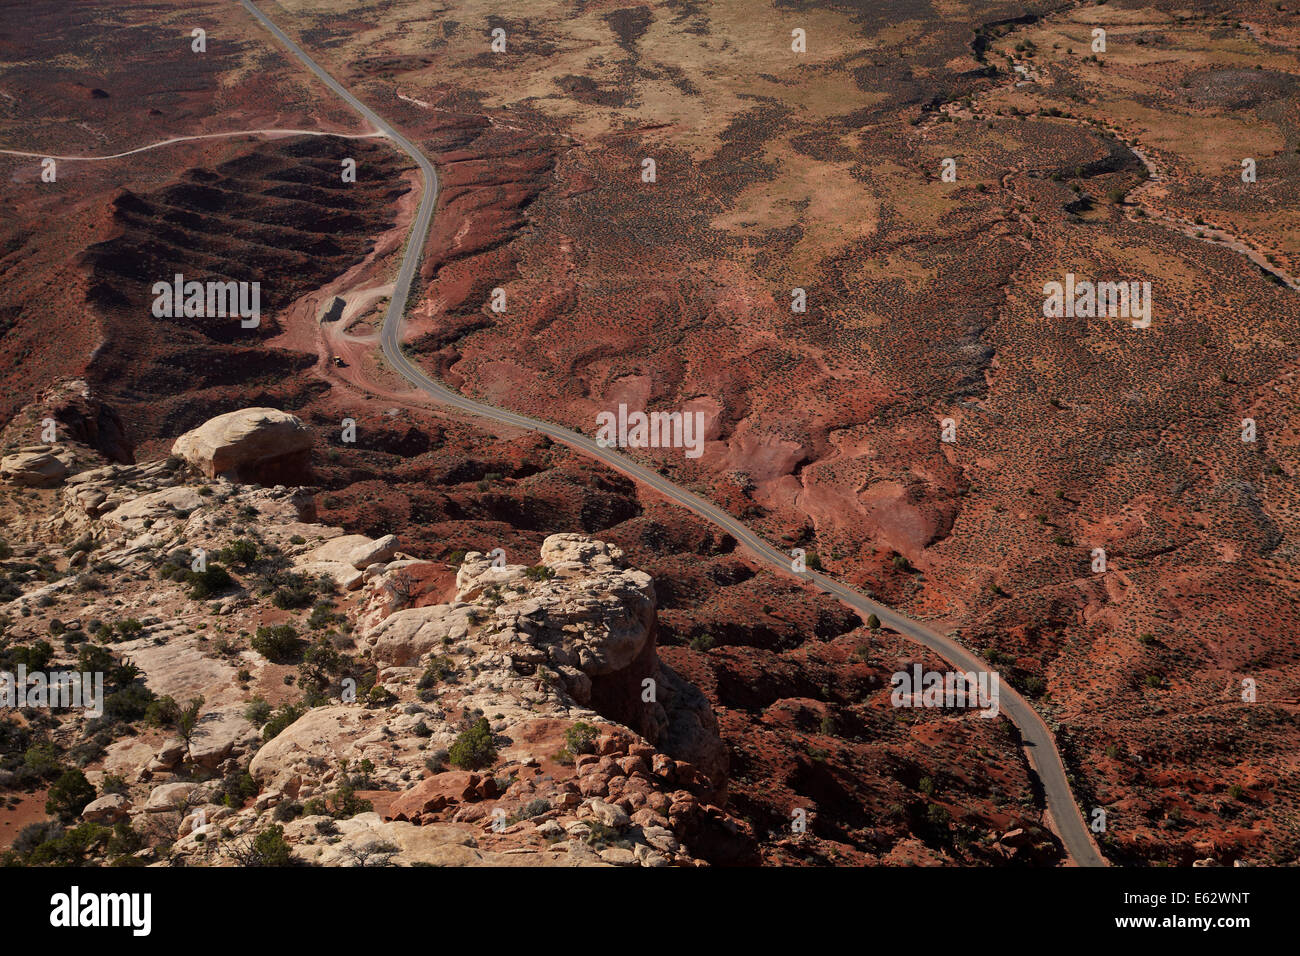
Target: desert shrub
[
  {"x": 162, "y": 712},
  {"x": 71, "y": 847},
  {"x": 534, "y": 808},
  {"x": 580, "y": 738},
  {"x": 69, "y": 795},
  {"x": 241, "y": 552},
  {"x": 91, "y": 658},
  {"x": 34, "y": 834},
  {"x": 321, "y": 662},
  {"x": 702, "y": 642},
  {"x": 474, "y": 748},
  {"x": 236, "y": 787},
  {"x": 268, "y": 848},
  {"x": 128, "y": 628},
  {"x": 124, "y": 839},
  {"x": 284, "y": 715},
  {"x": 206, "y": 583},
  {"x": 346, "y": 804},
  {"x": 437, "y": 761},
  {"x": 322, "y": 615},
  {"x": 130, "y": 703},
  {"x": 258, "y": 712},
  {"x": 279, "y": 643},
  {"x": 286, "y": 810},
  {"x": 42, "y": 760},
  {"x": 293, "y": 591},
  {"x": 439, "y": 669},
  {"x": 35, "y": 657}
]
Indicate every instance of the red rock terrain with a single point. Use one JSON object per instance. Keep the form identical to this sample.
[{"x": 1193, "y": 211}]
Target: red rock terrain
[{"x": 924, "y": 303}]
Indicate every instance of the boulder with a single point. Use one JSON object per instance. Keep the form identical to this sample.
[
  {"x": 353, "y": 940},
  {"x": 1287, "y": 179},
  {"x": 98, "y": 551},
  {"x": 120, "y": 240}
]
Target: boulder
[
  {"x": 221, "y": 733},
  {"x": 356, "y": 550},
  {"x": 609, "y": 814},
  {"x": 34, "y": 469},
  {"x": 344, "y": 575},
  {"x": 169, "y": 796},
  {"x": 618, "y": 856},
  {"x": 169, "y": 756},
  {"x": 322, "y": 736},
  {"x": 108, "y": 809},
  {"x": 254, "y": 445},
  {"x": 402, "y": 638},
  {"x": 436, "y": 793}
]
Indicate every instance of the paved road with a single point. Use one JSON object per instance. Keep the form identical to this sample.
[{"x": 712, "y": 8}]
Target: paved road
[{"x": 1039, "y": 745}]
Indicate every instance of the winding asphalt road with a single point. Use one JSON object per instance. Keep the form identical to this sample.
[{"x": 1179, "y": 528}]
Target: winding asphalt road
[{"x": 1039, "y": 744}]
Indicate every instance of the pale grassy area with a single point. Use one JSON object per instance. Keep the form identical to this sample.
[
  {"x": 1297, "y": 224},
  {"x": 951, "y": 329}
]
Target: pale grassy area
[
  {"x": 730, "y": 65},
  {"x": 1211, "y": 143}
]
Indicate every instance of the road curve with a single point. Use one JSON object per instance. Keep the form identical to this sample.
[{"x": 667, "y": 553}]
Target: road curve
[{"x": 1039, "y": 743}]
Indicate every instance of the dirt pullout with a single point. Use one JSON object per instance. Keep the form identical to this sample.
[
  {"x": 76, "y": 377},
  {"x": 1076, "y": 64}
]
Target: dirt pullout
[{"x": 278, "y": 215}]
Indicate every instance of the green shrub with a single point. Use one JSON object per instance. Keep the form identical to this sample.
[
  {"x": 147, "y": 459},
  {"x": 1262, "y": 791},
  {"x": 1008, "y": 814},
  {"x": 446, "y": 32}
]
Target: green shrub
[
  {"x": 207, "y": 583},
  {"x": 580, "y": 738},
  {"x": 282, "y": 718},
  {"x": 130, "y": 703},
  {"x": 279, "y": 643},
  {"x": 42, "y": 760},
  {"x": 438, "y": 669},
  {"x": 474, "y": 749},
  {"x": 162, "y": 712},
  {"x": 534, "y": 808},
  {"x": 69, "y": 795},
  {"x": 270, "y": 848},
  {"x": 346, "y": 804},
  {"x": 35, "y": 657},
  {"x": 71, "y": 847},
  {"x": 236, "y": 787},
  {"x": 258, "y": 712},
  {"x": 702, "y": 642},
  {"x": 241, "y": 552},
  {"x": 296, "y": 591}
]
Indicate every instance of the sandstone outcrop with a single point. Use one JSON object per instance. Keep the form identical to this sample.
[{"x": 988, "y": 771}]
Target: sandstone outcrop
[
  {"x": 261, "y": 445},
  {"x": 38, "y": 466},
  {"x": 589, "y": 750}
]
